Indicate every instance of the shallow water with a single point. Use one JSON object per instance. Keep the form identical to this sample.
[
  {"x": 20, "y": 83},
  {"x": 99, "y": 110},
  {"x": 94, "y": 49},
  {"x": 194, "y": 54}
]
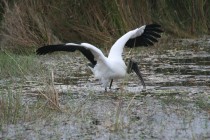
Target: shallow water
[{"x": 176, "y": 104}]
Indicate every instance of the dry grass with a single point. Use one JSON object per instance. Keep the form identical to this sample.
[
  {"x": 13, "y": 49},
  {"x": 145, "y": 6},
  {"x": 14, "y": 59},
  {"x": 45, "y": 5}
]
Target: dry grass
[
  {"x": 29, "y": 24},
  {"x": 10, "y": 106},
  {"x": 51, "y": 95},
  {"x": 183, "y": 18},
  {"x": 19, "y": 72},
  {"x": 23, "y": 28}
]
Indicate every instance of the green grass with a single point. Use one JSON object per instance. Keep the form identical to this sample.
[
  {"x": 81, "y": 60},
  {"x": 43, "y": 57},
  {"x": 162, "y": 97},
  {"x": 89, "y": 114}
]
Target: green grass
[
  {"x": 16, "y": 104},
  {"x": 203, "y": 103},
  {"x": 10, "y": 105},
  {"x": 13, "y": 65},
  {"x": 15, "y": 72}
]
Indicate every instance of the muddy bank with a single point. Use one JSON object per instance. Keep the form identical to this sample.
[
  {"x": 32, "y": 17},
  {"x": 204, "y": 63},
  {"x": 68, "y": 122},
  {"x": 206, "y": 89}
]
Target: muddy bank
[{"x": 176, "y": 104}]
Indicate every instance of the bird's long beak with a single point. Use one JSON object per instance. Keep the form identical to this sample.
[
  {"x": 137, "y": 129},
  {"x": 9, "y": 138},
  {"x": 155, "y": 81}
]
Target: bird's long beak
[
  {"x": 133, "y": 66},
  {"x": 130, "y": 65}
]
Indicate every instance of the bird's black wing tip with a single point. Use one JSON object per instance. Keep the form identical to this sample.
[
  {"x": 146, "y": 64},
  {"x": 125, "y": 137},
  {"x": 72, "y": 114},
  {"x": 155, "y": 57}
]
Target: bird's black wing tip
[
  {"x": 39, "y": 52},
  {"x": 154, "y": 28},
  {"x": 154, "y": 25},
  {"x": 43, "y": 50},
  {"x": 49, "y": 49}
]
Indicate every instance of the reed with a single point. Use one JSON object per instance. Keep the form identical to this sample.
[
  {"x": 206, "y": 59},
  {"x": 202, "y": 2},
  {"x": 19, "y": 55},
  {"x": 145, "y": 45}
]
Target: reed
[
  {"x": 22, "y": 28},
  {"x": 29, "y": 24},
  {"x": 183, "y": 18},
  {"x": 17, "y": 73},
  {"x": 10, "y": 106}
]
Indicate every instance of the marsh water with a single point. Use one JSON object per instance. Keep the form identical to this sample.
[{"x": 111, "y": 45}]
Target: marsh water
[{"x": 176, "y": 104}]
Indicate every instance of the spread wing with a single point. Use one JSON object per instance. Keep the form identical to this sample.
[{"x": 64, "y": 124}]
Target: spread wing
[
  {"x": 92, "y": 53},
  {"x": 146, "y": 35}
]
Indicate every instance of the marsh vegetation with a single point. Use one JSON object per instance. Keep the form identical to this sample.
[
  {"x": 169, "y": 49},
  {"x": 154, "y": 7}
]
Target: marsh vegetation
[{"x": 55, "y": 96}]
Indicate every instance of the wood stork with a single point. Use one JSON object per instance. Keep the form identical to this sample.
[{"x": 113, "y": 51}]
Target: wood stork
[{"x": 112, "y": 67}]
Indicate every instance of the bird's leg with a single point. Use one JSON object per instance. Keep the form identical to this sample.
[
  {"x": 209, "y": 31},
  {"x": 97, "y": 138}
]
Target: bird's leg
[
  {"x": 133, "y": 66},
  {"x": 110, "y": 84}
]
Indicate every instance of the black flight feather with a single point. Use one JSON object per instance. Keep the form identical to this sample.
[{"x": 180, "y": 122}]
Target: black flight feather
[
  {"x": 148, "y": 38},
  {"x": 69, "y": 48}
]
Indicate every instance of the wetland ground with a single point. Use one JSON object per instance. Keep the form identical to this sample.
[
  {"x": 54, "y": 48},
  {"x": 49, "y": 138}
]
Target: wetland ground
[{"x": 56, "y": 97}]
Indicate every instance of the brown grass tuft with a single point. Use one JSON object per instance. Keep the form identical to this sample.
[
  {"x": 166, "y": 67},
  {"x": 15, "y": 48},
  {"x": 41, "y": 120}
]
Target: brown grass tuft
[
  {"x": 23, "y": 27},
  {"x": 30, "y": 24}
]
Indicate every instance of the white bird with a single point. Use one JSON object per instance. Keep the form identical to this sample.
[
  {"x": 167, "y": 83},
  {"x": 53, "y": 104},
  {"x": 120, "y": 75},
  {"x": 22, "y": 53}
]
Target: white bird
[{"x": 112, "y": 67}]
